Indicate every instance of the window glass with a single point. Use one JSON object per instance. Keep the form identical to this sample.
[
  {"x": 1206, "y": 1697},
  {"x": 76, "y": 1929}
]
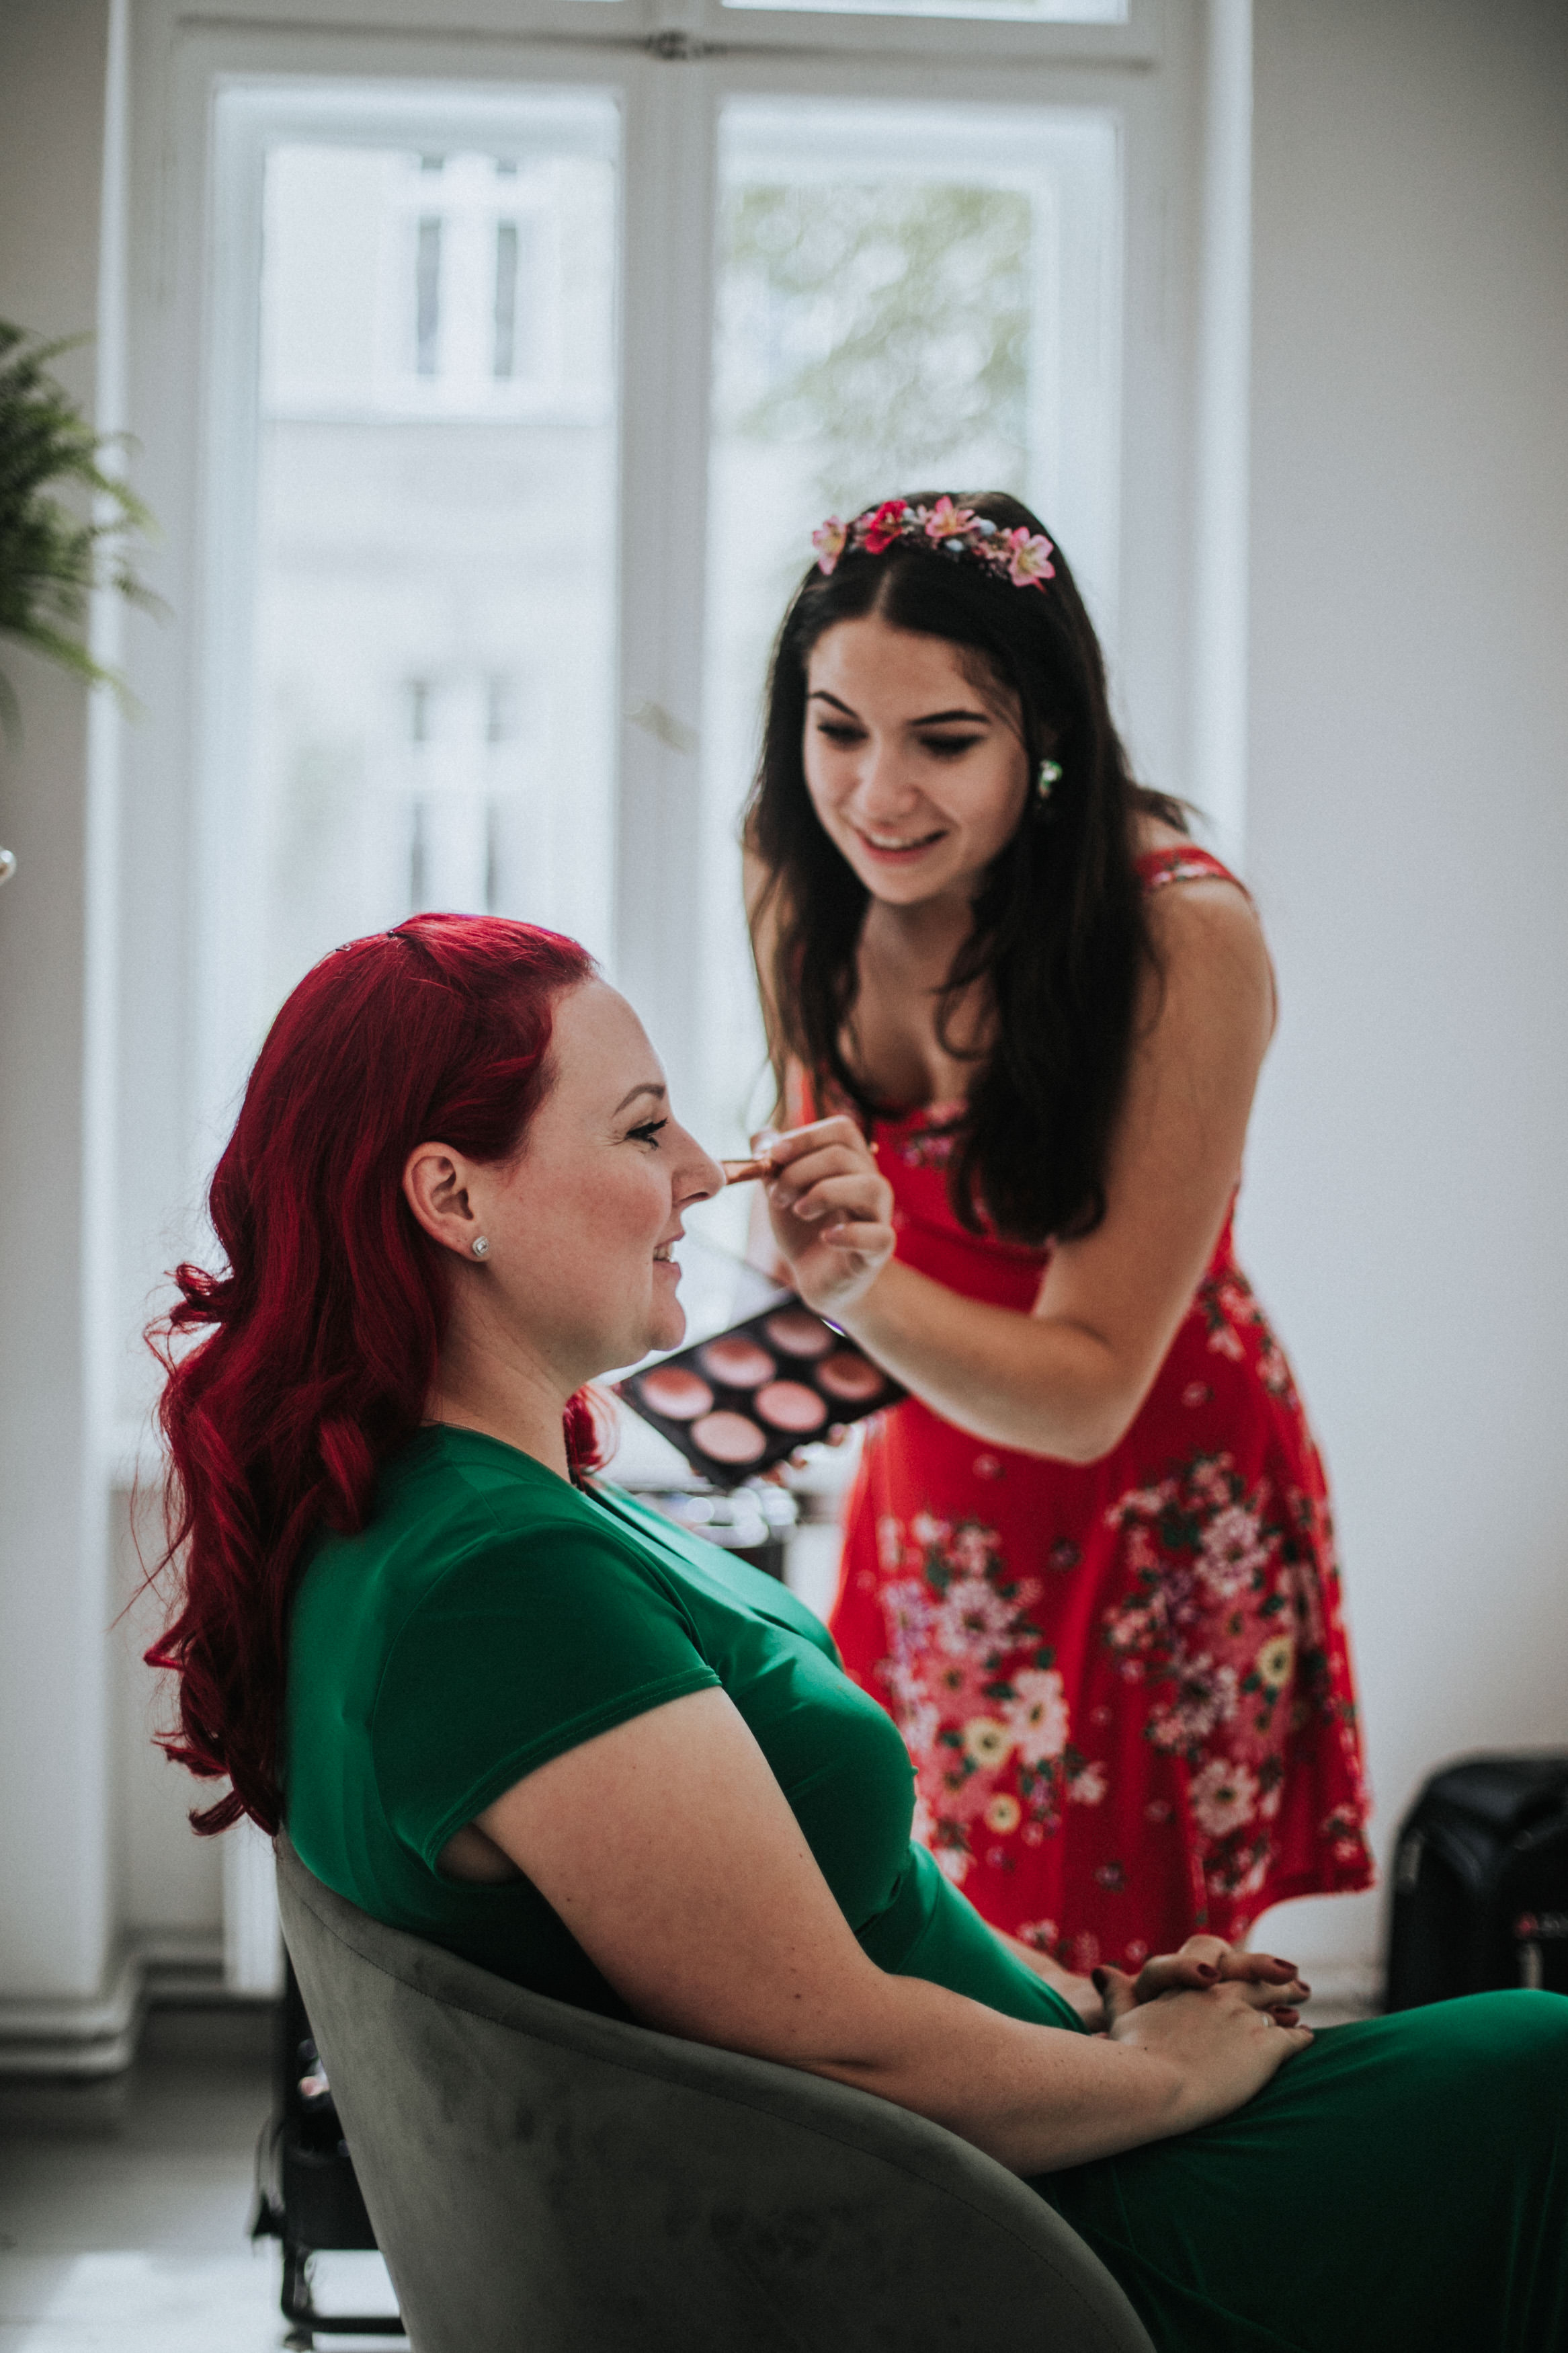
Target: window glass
[
  {"x": 909, "y": 298},
  {"x": 1040, "y": 12},
  {"x": 433, "y": 686}
]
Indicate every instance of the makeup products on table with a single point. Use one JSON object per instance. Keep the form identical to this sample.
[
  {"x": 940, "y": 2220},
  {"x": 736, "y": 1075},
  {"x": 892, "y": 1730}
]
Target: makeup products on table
[
  {"x": 744, "y": 1400},
  {"x": 754, "y": 1523}
]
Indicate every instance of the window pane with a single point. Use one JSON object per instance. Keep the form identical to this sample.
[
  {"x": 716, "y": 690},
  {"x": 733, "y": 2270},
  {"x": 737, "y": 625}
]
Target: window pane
[
  {"x": 434, "y": 690},
  {"x": 909, "y": 298},
  {"x": 506, "y": 299},
  {"x": 1040, "y": 12}
]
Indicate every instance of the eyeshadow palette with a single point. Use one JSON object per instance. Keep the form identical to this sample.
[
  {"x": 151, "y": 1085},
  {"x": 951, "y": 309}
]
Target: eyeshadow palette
[{"x": 744, "y": 1400}]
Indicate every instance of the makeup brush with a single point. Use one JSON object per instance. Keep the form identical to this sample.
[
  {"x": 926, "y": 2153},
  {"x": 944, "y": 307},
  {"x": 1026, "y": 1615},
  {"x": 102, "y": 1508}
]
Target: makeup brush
[{"x": 744, "y": 1172}]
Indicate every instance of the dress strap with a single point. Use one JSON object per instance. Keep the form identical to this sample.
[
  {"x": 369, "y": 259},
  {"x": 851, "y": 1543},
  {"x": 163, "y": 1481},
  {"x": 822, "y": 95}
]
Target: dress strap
[{"x": 1157, "y": 867}]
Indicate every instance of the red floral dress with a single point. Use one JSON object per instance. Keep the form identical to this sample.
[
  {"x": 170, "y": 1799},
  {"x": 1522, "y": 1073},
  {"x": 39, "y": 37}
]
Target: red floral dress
[{"x": 1126, "y": 1685}]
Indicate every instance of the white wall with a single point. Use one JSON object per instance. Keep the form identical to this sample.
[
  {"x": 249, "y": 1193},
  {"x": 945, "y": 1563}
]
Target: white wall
[
  {"x": 53, "y": 1654},
  {"x": 1408, "y": 836},
  {"x": 168, "y": 1884}
]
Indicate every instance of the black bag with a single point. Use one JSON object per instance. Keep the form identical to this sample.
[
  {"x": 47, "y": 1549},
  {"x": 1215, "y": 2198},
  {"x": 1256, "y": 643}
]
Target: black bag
[
  {"x": 313, "y": 2201},
  {"x": 1481, "y": 1881}
]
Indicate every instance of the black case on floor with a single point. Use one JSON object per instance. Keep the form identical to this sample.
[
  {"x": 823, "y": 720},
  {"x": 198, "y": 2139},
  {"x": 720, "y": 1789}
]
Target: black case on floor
[
  {"x": 1481, "y": 1881},
  {"x": 314, "y": 2201}
]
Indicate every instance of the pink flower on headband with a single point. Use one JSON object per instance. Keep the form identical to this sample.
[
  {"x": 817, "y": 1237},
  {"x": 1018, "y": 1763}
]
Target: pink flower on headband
[
  {"x": 1030, "y": 562},
  {"x": 947, "y": 522},
  {"x": 886, "y": 526},
  {"x": 1021, "y": 556},
  {"x": 828, "y": 540}
]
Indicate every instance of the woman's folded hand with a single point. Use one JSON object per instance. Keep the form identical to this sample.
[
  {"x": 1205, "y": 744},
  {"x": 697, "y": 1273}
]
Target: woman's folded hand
[
  {"x": 1202, "y": 1963},
  {"x": 1221, "y": 2044}
]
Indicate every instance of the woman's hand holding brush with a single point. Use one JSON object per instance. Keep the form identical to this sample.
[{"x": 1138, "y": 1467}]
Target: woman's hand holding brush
[{"x": 831, "y": 1209}]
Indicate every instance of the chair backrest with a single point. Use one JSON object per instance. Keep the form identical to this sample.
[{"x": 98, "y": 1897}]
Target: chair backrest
[{"x": 545, "y": 2180}]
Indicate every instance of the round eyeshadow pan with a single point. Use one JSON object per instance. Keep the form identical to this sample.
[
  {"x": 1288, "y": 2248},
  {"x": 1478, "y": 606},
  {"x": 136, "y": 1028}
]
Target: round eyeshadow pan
[
  {"x": 736, "y": 1362},
  {"x": 798, "y": 1334},
  {"x": 674, "y": 1392},
  {"x": 729, "y": 1436},
  {"x": 790, "y": 1404},
  {"x": 851, "y": 1378}
]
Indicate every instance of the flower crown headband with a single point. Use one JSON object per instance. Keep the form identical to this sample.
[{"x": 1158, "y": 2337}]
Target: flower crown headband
[{"x": 1022, "y": 556}]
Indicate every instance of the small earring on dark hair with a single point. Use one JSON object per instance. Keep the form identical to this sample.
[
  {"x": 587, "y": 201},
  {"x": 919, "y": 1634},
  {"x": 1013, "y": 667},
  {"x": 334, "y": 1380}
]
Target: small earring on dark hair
[
  {"x": 480, "y": 1246},
  {"x": 1047, "y": 775}
]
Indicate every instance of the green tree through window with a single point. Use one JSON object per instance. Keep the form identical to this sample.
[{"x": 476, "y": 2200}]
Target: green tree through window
[{"x": 885, "y": 324}]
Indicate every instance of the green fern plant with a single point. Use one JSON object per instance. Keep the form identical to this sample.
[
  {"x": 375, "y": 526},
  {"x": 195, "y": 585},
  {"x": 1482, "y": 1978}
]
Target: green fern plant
[{"x": 54, "y": 554}]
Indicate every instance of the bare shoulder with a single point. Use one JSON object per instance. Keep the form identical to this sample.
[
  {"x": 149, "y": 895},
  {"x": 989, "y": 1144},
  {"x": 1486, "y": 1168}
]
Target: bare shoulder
[
  {"x": 1212, "y": 994},
  {"x": 1150, "y": 835},
  {"x": 1202, "y": 913},
  {"x": 1207, "y": 908},
  {"x": 1209, "y": 926},
  {"x": 1212, "y": 962},
  {"x": 1150, "y": 832}
]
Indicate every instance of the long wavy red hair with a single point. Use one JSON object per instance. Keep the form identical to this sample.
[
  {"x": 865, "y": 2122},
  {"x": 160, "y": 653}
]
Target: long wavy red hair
[{"x": 325, "y": 1330}]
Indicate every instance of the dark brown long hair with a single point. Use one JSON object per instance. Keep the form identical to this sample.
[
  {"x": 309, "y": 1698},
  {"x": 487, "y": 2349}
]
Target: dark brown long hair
[{"x": 1058, "y": 939}]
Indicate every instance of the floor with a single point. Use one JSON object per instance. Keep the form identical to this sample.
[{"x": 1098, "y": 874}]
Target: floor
[{"x": 134, "y": 2238}]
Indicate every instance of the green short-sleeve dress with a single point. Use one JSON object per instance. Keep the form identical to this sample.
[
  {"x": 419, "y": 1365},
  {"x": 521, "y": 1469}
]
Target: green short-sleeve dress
[{"x": 1404, "y": 2184}]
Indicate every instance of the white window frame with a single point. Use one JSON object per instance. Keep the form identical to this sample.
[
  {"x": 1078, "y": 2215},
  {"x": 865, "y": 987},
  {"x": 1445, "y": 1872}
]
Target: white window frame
[
  {"x": 196, "y": 242},
  {"x": 1178, "y": 73}
]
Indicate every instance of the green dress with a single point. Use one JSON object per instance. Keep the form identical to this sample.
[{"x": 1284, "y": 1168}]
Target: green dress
[{"x": 1402, "y": 2185}]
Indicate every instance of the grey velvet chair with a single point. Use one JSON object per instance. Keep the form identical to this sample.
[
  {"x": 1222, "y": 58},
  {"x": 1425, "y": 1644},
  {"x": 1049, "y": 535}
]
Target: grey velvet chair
[{"x": 544, "y": 2181}]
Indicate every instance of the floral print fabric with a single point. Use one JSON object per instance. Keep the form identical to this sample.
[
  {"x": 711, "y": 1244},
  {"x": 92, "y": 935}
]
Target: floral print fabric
[{"x": 1125, "y": 1686}]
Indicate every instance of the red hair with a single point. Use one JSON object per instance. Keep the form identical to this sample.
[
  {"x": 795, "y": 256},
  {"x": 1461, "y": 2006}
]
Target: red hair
[{"x": 328, "y": 1324}]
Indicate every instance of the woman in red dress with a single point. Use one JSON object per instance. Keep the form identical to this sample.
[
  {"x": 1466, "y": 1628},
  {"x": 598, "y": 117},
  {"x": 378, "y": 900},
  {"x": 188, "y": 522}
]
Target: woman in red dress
[{"x": 1088, "y": 1565}]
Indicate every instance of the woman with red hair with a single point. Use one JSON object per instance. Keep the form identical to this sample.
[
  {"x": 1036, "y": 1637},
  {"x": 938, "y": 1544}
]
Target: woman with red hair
[{"x": 503, "y": 1706}]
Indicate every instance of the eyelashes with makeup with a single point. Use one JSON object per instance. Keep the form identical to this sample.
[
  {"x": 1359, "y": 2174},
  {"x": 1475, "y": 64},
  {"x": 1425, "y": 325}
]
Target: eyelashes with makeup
[
  {"x": 942, "y": 748},
  {"x": 648, "y": 1132}
]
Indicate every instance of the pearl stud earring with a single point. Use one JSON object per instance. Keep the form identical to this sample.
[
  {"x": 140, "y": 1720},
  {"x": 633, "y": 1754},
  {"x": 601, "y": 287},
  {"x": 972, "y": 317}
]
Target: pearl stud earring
[{"x": 480, "y": 1246}]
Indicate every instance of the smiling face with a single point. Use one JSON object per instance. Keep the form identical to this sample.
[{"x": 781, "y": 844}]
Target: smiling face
[
  {"x": 917, "y": 775},
  {"x": 578, "y": 1276}
]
